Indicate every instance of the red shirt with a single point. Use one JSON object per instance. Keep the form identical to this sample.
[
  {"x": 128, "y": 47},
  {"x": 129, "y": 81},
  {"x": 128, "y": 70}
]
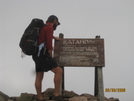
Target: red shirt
[{"x": 46, "y": 35}]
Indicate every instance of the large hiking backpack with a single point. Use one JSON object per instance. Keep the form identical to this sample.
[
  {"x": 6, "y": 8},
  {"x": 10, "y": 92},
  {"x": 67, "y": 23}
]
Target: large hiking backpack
[{"x": 28, "y": 42}]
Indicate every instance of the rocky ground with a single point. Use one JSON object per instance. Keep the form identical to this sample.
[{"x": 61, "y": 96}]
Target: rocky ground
[{"x": 68, "y": 96}]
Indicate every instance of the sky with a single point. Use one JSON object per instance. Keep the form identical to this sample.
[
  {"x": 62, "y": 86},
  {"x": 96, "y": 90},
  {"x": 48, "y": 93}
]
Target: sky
[{"x": 113, "y": 20}]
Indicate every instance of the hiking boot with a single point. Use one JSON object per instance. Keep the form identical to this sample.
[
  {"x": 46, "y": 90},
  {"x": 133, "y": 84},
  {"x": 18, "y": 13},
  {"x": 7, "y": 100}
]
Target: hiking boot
[{"x": 58, "y": 98}]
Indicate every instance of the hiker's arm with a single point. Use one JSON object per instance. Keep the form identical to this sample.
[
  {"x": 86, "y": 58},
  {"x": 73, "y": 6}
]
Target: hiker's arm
[{"x": 56, "y": 38}]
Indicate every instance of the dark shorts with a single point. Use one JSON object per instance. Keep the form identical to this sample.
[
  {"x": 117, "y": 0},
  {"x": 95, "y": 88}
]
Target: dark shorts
[{"x": 44, "y": 63}]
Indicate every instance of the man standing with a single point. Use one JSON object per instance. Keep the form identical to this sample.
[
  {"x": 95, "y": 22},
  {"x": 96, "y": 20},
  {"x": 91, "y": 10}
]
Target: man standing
[{"x": 44, "y": 61}]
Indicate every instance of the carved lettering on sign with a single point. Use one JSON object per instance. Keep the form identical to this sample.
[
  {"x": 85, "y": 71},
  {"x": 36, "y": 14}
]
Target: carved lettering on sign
[
  {"x": 82, "y": 41},
  {"x": 79, "y": 52}
]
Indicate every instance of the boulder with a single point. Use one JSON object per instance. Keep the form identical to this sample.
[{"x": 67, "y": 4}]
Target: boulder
[
  {"x": 78, "y": 98},
  {"x": 3, "y": 97},
  {"x": 48, "y": 93},
  {"x": 14, "y": 98},
  {"x": 10, "y": 100},
  {"x": 105, "y": 99},
  {"x": 66, "y": 94},
  {"x": 26, "y": 97},
  {"x": 113, "y": 99},
  {"x": 89, "y": 97},
  {"x": 69, "y": 94}
]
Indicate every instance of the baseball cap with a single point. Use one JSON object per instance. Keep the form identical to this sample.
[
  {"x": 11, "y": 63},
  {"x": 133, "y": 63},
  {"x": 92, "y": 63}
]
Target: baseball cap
[{"x": 53, "y": 16}]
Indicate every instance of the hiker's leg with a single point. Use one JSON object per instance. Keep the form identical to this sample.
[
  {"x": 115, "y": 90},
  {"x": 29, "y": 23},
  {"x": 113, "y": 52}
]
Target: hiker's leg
[
  {"x": 57, "y": 79},
  {"x": 38, "y": 84}
]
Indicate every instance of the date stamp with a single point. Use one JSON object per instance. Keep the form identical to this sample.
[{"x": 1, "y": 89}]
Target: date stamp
[{"x": 115, "y": 89}]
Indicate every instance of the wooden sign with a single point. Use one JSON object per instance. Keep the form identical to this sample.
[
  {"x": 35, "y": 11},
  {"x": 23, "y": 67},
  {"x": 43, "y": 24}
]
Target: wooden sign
[{"x": 79, "y": 52}]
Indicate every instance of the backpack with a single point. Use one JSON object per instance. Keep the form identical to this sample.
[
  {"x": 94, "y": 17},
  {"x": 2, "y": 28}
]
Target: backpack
[{"x": 28, "y": 42}]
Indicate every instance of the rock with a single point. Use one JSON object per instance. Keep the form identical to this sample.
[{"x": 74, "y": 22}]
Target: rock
[
  {"x": 10, "y": 100},
  {"x": 47, "y": 95},
  {"x": 113, "y": 99},
  {"x": 78, "y": 98},
  {"x": 26, "y": 97},
  {"x": 69, "y": 94},
  {"x": 66, "y": 94},
  {"x": 3, "y": 97},
  {"x": 14, "y": 98},
  {"x": 116, "y": 99},
  {"x": 89, "y": 97},
  {"x": 105, "y": 99}
]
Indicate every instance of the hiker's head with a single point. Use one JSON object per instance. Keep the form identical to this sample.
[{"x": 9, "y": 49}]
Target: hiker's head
[{"x": 53, "y": 19}]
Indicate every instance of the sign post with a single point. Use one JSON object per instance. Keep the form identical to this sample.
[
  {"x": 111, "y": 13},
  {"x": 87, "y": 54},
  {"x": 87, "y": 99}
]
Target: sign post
[
  {"x": 61, "y": 36},
  {"x": 85, "y": 52},
  {"x": 99, "y": 87}
]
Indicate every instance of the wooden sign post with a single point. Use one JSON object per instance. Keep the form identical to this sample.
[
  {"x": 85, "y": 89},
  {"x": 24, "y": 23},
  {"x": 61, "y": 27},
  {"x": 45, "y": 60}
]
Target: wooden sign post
[
  {"x": 99, "y": 87},
  {"x": 63, "y": 81},
  {"x": 74, "y": 52}
]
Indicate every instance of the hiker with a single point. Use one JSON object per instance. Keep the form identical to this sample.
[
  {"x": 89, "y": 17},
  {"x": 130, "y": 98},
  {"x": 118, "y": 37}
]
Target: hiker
[{"x": 44, "y": 60}]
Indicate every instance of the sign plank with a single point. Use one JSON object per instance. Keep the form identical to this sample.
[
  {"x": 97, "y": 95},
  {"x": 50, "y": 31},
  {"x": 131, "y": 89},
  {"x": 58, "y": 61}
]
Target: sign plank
[{"x": 79, "y": 52}]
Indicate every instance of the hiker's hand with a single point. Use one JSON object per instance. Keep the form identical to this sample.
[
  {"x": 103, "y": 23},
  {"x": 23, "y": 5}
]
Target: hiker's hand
[{"x": 57, "y": 38}]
